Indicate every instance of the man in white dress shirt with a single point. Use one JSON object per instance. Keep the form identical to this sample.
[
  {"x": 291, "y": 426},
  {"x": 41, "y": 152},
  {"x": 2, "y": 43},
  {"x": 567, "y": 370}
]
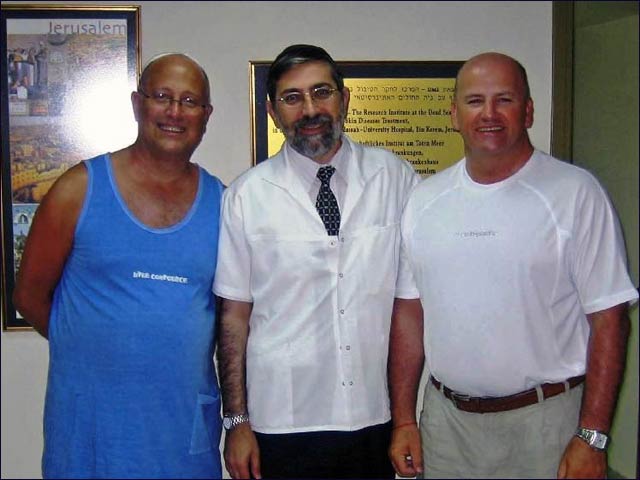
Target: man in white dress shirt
[{"x": 307, "y": 299}]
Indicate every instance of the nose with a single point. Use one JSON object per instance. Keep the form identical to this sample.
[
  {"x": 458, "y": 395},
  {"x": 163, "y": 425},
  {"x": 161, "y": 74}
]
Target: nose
[
  {"x": 489, "y": 109},
  {"x": 174, "y": 107},
  {"x": 308, "y": 105}
]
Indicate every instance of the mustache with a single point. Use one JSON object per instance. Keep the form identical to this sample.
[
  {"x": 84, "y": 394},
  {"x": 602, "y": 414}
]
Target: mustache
[{"x": 315, "y": 121}]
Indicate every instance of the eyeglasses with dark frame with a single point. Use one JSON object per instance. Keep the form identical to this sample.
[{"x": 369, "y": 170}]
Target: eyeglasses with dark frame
[
  {"x": 317, "y": 94},
  {"x": 164, "y": 99}
]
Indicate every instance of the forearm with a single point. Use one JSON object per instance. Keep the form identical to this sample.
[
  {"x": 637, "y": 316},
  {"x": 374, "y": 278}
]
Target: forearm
[
  {"x": 232, "y": 344},
  {"x": 406, "y": 359},
  {"x": 48, "y": 246},
  {"x": 33, "y": 295},
  {"x": 605, "y": 366},
  {"x": 35, "y": 312}
]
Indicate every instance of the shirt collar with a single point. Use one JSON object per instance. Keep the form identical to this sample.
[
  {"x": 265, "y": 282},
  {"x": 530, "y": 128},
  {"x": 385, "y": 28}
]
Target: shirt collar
[{"x": 307, "y": 169}]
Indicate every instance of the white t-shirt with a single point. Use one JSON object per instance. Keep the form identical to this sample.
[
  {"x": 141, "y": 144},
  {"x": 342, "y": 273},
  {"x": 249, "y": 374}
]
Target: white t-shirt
[
  {"x": 319, "y": 327},
  {"x": 506, "y": 273}
]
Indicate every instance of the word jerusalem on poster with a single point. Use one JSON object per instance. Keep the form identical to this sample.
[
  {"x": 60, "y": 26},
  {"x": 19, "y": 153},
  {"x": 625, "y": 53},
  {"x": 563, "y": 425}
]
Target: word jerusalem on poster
[
  {"x": 65, "y": 97},
  {"x": 401, "y": 106}
]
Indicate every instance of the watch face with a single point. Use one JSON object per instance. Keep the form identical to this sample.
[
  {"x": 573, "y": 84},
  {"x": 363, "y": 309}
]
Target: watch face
[
  {"x": 232, "y": 421},
  {"x": 600, "y": 441}
]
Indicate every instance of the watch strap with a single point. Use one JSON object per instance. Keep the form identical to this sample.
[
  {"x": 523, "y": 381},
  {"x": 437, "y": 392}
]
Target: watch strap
[
  {"x": 595, "y": 439},
  {"x": 232, "y": 421}
]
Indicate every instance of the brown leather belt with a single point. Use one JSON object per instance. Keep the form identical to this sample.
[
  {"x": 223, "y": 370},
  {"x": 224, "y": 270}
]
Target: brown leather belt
[{"x": 502, "y": 404}]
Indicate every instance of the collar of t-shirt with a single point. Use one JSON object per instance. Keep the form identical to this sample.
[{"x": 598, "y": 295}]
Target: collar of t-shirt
[{"x": 306, "y": 169}]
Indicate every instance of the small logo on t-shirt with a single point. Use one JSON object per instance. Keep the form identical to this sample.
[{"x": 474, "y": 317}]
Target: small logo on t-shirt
[
  {"x": 161, "y": 277},
  {"x": 476, "y": 233}
]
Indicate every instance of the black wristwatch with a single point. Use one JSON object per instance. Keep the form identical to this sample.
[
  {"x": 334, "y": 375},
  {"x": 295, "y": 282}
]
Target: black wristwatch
[
  {"x": 595, "y": 439},
  {"x": 229, "y": 422}
]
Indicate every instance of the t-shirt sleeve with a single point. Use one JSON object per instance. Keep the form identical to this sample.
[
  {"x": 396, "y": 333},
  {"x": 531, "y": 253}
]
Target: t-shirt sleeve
[
  {"x": 599, "y": 261},
  {"x": 406, "y": 285},
  {"x": 233, "y": 272}
]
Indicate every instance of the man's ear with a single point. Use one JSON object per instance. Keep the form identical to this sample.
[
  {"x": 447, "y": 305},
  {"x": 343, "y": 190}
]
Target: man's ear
[
  {"x": 273, "y": 114},
  {"x": 528, "y": 119},
  {"x": 454, "y": 116},
  {"x": 346, "y": 96},
  {"x": 208, "y": 111},
  {"x": 136, "y": 103}
]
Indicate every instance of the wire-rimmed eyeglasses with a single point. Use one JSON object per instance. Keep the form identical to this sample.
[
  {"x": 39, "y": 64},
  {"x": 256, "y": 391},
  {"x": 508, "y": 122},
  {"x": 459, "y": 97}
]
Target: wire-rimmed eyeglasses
[
  {"x": 317, "y": 94},
  {"x": 164, "y": 99}
]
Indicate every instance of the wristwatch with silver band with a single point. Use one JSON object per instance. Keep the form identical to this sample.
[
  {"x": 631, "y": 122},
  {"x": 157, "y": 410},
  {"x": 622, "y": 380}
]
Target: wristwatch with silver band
[
  {"x": 595, "y": 439},
  {"x": 229, "y": 422}
]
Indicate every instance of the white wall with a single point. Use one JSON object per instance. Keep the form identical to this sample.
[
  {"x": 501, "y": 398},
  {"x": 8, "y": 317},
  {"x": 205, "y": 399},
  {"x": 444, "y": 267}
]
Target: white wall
[{"x": 225, "y": 36}]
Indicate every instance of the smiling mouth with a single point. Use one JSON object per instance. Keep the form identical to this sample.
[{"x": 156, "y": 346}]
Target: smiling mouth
[
  {"x": 313, "y": 126},
  {"x": 171, "y": 129},
  {"x": 490, "y": 129},
  {"x": 312, "y": 129}
]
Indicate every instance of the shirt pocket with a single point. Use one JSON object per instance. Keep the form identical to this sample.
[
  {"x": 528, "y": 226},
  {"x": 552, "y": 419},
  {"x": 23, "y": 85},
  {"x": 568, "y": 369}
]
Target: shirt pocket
[
  {"x": 207, "y": 425},
  {"x": 373, "y": 256},
  {"x": 269, "y": 388},
  {"x": 69, "y": 434},
  {"x": 282, "y": 262}
]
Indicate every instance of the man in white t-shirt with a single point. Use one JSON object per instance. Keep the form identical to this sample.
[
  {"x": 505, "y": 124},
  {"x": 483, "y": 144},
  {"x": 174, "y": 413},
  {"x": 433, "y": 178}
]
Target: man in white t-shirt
[
  {"x": 307, "y": 272},
  {"x": 522, "y": 282}
]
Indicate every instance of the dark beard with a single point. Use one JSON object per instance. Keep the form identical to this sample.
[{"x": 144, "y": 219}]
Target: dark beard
[{"x": 317, "y": 145}]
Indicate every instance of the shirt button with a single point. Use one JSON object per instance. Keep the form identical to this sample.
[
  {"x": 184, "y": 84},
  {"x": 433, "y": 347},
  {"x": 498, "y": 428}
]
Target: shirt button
[
  {"x": 350, "y": 383},
  {"x": 341, "y": 312},
  {"x": 348, "y": 347},
  {"x": 340, "y": 275},
  {"x": 343, "y": 384},
  {"x": 332, "y": 243}
]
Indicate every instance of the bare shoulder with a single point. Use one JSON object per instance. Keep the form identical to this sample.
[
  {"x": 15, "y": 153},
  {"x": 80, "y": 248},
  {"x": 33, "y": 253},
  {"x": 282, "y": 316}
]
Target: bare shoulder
[
  {"x": 63, "y": 202},
  {"x": 69, "y": 189}
]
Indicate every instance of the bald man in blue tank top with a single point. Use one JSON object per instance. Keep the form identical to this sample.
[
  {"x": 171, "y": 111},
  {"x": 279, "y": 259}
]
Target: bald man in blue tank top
[{"x": 117, "y": 274}]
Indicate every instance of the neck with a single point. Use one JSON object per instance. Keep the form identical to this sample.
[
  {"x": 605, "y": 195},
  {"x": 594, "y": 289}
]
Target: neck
[
  {"x": 491, "y": 168},
  {"x": 161, "y": 168}
]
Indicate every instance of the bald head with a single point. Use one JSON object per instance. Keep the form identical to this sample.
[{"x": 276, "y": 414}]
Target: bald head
[
  {"x": 490, "y": 60},
  {"x": 157, "y": 62}
]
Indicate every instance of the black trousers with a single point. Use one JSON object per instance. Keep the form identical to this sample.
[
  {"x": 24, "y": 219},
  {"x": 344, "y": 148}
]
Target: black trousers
[{"x": 327, "y": 454}]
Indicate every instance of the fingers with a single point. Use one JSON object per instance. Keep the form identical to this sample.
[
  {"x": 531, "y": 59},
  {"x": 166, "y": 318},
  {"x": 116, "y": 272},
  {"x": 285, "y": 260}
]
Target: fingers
[
  {"x": 418, "y": 464},
  {"x": 562, "y": 469},
  {"x": 581, "y": 461},
  {"x": 255, "y": 464},
  {"x": 235, "y": 469},
  {"x": 405, "y": 452},
  {"x": 241, "y": 454},
  {"x": 404, "y": 466},
  {"x": 407, "y": 465}
]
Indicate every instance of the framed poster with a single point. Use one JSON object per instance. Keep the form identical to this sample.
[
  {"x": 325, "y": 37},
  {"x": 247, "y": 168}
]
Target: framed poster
[
  {"x": 65, "y": 97},
  {"x": 401, "y": 106}
]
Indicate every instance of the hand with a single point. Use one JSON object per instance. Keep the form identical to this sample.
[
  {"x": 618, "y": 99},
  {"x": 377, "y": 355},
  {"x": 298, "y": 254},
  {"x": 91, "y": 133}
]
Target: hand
[
  {"x": 581, "y": 461},
  {"x": 405, "y": 451},
  {"x": 241, "y": 452}
]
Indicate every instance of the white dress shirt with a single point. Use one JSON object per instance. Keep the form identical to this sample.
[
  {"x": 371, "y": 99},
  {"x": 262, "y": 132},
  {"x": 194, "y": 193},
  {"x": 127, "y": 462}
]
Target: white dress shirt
[{"x": 319, "y": 327}]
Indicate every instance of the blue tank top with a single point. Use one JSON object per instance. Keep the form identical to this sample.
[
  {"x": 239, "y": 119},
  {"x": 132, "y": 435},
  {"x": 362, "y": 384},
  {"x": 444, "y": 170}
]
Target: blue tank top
[{"x": 132, "y": 390}]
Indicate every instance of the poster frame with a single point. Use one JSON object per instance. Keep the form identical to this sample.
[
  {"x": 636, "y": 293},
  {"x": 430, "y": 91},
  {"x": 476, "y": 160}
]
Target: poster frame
[{"x": 94, "y": 15}]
